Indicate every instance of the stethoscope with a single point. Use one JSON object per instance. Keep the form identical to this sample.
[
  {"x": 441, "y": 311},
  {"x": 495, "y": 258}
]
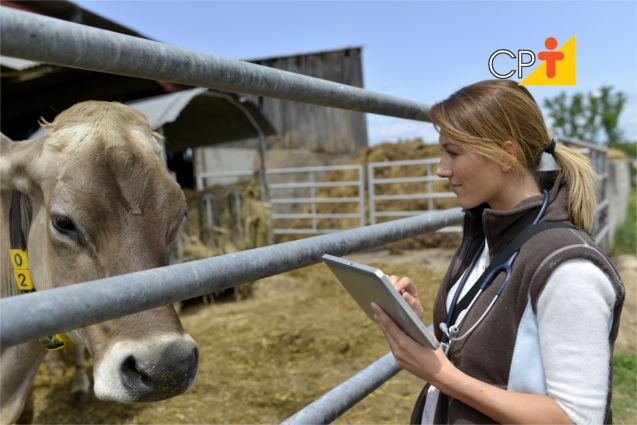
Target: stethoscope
[{"x": 450, "y": 333}]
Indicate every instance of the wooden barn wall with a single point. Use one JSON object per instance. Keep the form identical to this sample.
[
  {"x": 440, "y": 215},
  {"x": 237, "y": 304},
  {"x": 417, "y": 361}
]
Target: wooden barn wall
[{"x": 311, "y": 127}]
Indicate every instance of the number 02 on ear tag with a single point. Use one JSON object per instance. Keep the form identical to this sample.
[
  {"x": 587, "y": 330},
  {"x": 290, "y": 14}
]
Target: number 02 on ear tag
[{"x": 20, "y": 263}]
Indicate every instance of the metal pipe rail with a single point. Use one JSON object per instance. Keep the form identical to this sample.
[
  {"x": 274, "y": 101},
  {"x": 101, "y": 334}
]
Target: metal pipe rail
[
  {"x": 308, "y": 185},
  {"x": 216, "y": 174},
  {"x": 316, "y": 215},
  {"x": 30, "y": 316},
  {"x": 43, "y": 39},
  {"x": 315, "y": 200},
  {"x": 342, "y": 398}
]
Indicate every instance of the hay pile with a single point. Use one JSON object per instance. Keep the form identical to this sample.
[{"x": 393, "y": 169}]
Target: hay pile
[
  {"x": 384, "y": 152},
  {"x": 265, "y": 358}
]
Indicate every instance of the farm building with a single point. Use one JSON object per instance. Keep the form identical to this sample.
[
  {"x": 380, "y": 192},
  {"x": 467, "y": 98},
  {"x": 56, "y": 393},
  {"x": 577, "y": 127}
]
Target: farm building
[
  {"x": 297, "y": 134},
  {"x": 307, "y": 134}
]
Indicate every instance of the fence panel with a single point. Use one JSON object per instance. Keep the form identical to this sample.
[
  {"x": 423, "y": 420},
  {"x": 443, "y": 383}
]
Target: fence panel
[
  {"x": 311, "y": 185},
  {"x": 429, "y": 178}
]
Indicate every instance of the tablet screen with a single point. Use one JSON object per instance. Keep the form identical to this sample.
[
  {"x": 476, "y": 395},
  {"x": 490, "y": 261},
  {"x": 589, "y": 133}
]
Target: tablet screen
[{"x": 368, "y": 284}]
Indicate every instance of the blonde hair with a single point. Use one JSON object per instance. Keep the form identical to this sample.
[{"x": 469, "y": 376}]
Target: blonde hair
[{"x": 484, "y": 115}]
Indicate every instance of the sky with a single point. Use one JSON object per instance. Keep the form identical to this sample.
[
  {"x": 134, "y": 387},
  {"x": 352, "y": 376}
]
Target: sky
[{"x": 417, "y": 50}]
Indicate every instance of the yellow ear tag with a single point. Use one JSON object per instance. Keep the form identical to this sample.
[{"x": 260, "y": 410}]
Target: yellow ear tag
[
  {"x": 20, "y": 262},
  {"x": 57, "y": 342}
]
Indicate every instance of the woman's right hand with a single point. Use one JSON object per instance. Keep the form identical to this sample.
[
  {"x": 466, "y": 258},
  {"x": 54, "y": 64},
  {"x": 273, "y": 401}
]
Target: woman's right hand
[{"x": 409, "y": 292}]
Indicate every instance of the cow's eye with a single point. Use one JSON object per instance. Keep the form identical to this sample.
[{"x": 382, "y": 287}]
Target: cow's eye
[{"x": 64, "y": 225}]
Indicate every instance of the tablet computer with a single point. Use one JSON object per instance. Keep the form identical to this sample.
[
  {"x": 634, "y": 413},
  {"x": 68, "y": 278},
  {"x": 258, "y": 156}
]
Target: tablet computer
[{"x": 368, "y": 284}]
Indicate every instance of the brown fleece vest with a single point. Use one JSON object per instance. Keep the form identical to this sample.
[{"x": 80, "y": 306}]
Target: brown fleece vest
[{"x": 486, "y": 354}]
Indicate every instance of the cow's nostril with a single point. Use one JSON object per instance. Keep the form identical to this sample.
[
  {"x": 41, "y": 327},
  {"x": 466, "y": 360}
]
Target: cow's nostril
[
  {"x": 147, "y": 381},
  {"x": 135, "y": 377}
]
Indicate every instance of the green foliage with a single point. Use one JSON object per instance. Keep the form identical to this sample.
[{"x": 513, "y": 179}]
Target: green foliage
[
  {"x": 583, "y": 116},
  {"x": 625, "y": 389},
  {"x": 625, "y": 241}
]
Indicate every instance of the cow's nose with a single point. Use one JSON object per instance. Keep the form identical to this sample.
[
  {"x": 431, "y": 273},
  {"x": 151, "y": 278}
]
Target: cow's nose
[{"x": 148, "y": 381}]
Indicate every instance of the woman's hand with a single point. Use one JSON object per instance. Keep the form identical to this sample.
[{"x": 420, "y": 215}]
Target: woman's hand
[
  {"x": 409, "y": 292},
  {"x": 433, "y": 366},
  {"x": 423, "y": 362}
]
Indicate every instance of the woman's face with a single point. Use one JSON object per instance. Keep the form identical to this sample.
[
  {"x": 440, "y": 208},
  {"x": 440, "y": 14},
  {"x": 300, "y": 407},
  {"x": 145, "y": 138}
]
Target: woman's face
[{"x": 475, "y": 179}]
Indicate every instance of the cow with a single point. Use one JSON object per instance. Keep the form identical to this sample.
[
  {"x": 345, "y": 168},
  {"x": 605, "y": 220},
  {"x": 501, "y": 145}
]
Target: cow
[{"x": 95, "y": 201}]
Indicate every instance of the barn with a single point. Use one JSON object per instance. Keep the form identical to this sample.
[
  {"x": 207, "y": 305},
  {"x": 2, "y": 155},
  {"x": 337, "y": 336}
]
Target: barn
[
  {"x": 295, "y": 134},
  {"x": 306, "y": 134}
]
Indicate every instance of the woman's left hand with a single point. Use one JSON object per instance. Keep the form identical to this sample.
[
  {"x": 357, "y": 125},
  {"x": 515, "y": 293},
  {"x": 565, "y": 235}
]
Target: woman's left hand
[
  {"x": 502, "y": 406},
  {"x": 423, "y": 362}
]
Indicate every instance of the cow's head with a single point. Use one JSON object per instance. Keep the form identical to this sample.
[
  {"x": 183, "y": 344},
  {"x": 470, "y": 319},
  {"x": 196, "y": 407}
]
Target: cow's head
[{"x": 101, "y": 204}]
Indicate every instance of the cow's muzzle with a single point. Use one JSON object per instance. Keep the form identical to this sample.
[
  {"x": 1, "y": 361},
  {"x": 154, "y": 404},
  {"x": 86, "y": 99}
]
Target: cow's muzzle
[
  {"x": 136, "y": 371},
  {"x": 149, "y": 381}
]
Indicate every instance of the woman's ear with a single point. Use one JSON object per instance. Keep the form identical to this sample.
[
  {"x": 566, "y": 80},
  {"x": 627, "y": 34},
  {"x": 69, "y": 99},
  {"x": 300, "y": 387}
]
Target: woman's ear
[{"x": 512, "y": 150}]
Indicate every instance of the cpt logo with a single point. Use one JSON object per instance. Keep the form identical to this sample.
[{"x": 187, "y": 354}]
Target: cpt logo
[{"x": 557, "y": 69}]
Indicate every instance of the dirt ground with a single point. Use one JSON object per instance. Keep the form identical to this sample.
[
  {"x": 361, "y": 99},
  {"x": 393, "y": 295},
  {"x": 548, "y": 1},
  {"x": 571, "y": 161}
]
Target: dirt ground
[{"x": 298, "y": 336}]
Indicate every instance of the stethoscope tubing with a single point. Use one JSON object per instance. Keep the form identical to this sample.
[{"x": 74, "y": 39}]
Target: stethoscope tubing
[{"x": 446, "y": 328}]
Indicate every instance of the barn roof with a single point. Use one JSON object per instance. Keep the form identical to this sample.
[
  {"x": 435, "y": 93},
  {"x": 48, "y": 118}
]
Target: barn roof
[{"x": 199, "y": 117}]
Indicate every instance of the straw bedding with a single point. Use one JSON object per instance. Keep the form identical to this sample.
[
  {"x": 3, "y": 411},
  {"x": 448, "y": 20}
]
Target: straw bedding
[{"x": 264, "y": 358}]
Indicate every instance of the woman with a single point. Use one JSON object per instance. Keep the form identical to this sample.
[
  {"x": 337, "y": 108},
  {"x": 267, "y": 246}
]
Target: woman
[{"x": 543, "y": 352}]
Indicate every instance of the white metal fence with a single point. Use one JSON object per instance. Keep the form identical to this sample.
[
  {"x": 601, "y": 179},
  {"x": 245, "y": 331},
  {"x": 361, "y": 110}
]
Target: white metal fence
[
  {"x": 602, "y": 230},
  {"x": 429, "y": 178},
  {"x": 280, "y": 196},
  {"x": 307, "y": 180}
]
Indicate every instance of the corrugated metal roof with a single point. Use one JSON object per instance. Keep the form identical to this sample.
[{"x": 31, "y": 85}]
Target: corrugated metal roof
[
  {"x": 199, "y": 117},
  {"x": 165, "y": 108}
]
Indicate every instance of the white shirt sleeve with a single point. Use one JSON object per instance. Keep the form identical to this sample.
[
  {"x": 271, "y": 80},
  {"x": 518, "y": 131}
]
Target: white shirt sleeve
[{"x": 574, "y": 313}]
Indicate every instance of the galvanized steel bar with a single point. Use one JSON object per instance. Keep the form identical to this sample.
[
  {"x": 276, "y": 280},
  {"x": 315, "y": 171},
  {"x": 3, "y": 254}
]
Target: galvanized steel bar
[
  {"x": 422, "y": 161},
  {"x": 303, "y": 185},
  {"x": 564, "y": 140},
  {"x": 317, "y": 200},
  {"x": 311, "y": 215},
  {"x": 43, "y": 39},
  {"x": 29, "y": 316},
  {"x": 371, "y": 190},
  {"x": 434, "y": 195},
  {"x": 340, "y": 399},
  {"x": 420, "y": 179},
  {"x": 318, "y": 168},
  {"x": 306, "y": 231},
  {"x": 361, "y": 195}
]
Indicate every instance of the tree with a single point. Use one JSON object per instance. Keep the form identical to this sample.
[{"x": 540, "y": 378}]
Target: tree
[{"x": 584, "y": 115}]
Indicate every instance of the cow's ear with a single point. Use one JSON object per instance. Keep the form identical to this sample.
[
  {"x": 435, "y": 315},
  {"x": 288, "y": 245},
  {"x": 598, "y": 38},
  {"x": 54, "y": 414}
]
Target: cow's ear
[{"x": 17, "y": 163}]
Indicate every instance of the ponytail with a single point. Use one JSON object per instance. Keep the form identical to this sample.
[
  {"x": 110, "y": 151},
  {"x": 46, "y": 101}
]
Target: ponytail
[{"x": 582, "y": 182}]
